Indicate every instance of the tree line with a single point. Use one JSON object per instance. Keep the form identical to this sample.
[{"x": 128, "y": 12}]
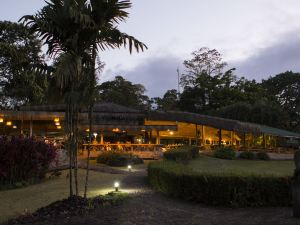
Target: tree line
[{"x": 208, "y": 85}]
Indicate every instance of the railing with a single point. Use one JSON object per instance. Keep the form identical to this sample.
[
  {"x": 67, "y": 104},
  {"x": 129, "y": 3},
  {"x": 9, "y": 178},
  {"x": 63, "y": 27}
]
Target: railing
[{"x": 141, "y": 150}]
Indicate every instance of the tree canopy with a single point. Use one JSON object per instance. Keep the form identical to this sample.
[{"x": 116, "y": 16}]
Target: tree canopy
[{"x": 20, "y": 51}]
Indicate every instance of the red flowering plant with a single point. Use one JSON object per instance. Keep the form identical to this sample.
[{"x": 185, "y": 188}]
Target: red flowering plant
[{"x": 24, "y": 159}]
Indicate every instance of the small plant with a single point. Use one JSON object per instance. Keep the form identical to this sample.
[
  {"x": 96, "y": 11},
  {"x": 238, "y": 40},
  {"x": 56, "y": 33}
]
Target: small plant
[
  {"x": 247, "y": 155},
  {"x": 183, "y": 153},
  {"x": 262, "y": 156},
  {"x": 224, "y": 153},
  {"x": 114, "y": 158}
]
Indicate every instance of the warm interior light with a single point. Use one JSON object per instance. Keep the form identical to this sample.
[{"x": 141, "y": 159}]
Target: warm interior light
[
  {"x": 8, "y": 123},
  {"x": 87, "y": 130},
  {"x": 15, "y": 127},
  {"x": 143, "y": 130},
  {"x": 56, "y": 120},
  {"x": 59, "y": 127},
  {"x": 171, "y": 132},
  {"x": 116, "y": 130},
  {"x": 1, "y": 120},
  {"x": 95, "y": 135},
  {"x": 57, "y": 123},
  {"x": 116, "y": 185}
]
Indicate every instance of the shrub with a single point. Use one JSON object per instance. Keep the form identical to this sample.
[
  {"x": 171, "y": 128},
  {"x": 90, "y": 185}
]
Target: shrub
[
  {"x": 116, "y": 158},
  {"x": 234, "y": 190},
  {"x": 224, "y": 153},
  {"x": 262, "y": 156},
  {"x": 183, "y": 153},
  {"x": 24, "y": 160},
  {"x": 247, "y": 155}
]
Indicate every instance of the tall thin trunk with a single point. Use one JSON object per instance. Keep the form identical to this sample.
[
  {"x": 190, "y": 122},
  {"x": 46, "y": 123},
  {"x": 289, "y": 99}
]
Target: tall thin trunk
[
  {"x": 69, "y": 144},
  {"x": 89, "y": 152},
  {"x": 76, "y": 150},
  {"x": 92, "y": 80}
]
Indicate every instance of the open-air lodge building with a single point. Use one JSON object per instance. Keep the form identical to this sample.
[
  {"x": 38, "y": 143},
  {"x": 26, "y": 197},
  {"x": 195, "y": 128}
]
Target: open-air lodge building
[{"x": 119, "y": 127}]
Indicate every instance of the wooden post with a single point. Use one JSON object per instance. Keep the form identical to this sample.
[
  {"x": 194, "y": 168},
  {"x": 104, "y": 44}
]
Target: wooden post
[
  {"x": 220, "y": 137},
  {"x": 196, "y": 143},
  {"x": 203, "y": 136},
  {"x": 157, "y": 137},
  {"x": 101, "y": 138},
  {"x": 264, "y": 141},
  {"x": 31, "y": 128}
]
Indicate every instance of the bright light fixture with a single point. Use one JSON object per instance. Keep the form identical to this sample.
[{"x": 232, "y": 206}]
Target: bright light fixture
[
  {"x": 56, "y": 120},
  {"x": 57, "y": 123},
  {"x": 171, "y": 132},
  {"x": 59, "y": 127},
  {"x": 116, "y": 185},
  {"x": 95, "y": 135},
  {"x": 87, "y": 130},
  {"x": 15, "y": 127},
  {"x": 129, "y": 168},
  {"x": 1, "y": 120},
  {"x": 8, "y": 123}
]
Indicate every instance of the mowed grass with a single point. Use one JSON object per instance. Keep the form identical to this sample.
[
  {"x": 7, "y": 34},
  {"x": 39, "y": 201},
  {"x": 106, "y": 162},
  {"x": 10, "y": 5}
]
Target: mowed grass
[
  {"x": 17, "y": 201},
  {"x": 213, "y": 165}
]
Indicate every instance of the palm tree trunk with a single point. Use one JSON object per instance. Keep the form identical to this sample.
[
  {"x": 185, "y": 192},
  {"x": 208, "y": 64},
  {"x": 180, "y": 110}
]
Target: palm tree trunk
[
  {"x": 89, "y": 152},
  {"x": 68, "y": 124},
  {"x": 92, "y": 87},
  {"x": 76, "y": 151}
]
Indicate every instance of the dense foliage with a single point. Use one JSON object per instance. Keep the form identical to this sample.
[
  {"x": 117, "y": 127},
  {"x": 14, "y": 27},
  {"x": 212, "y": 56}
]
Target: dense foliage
[
  {"x": 220, "y": 189},
  {"x": 247, "y": 155},
  {"x": 20, "y": 51},
  {"x": 123, "y": 92},
  {"x": 116, "y": 158},
  {"x": 24, "y": 160},
  {"x": 262, "y": 156},
  {"x": 224, "y": 153},
  {"x": 182, "y": 153}
]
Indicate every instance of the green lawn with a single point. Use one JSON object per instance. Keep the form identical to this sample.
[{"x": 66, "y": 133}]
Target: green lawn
[
  {"x": 210, "y": 164},
  {"x": 15, "y": 202}
]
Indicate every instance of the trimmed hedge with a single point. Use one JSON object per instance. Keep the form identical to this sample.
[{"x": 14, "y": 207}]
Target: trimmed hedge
[
  {"x": 262, "y": 156},
  {"x": 247, "y": 155},
  {"x": 224, "y": 153},
  {"x": 183, "y": 153},
  {"x": 113, "y": 158},
  {"x": 220, "y": 189}
]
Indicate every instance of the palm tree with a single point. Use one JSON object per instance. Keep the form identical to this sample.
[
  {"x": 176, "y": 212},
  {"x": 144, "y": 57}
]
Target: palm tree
[{"x": 76, "y": 30}]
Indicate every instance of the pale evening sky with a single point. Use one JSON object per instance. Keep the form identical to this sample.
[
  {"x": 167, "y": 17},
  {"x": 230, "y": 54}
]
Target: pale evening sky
[{"x": 258, "y": 37}]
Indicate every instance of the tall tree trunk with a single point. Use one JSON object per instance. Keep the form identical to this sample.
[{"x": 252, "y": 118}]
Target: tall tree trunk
[
  {"x": 91, "y": 105},
  {"x": 76, "y": 150},
  {"x": 69, "y": 144}
]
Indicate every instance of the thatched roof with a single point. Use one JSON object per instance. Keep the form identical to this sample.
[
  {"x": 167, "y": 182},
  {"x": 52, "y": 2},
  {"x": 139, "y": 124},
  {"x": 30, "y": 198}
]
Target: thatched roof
[
  {"x": 219, "y": 123},
  {"x": 216, "y": 122}
]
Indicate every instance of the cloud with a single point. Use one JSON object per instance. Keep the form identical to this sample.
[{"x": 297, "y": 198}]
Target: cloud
[
  {"x": 157, "y": 74},
  {"x": 281, "y": 56}
]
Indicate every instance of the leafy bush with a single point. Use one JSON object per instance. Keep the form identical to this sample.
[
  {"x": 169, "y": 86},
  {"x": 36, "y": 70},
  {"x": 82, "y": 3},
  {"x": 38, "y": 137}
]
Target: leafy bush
[
  {"x": 183, "y": 153},
  {"x": 247, "y": 155},
  {"x": 115, "y": 158},
  {"x": 24, "y": 160},
  {"x": 262, "y": 156},
  {"x": 224, "y": 153},
  {"x": 227, "y": 189}
]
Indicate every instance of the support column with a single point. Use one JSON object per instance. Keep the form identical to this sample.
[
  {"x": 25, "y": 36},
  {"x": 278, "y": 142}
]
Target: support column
[
  {"x": 244, "y": 140},
  {"x": 231, "y": 137},
  {"x": 30, "y": 127},
  {"x": 220, "y": 137},
  {"x": 101, "y": 138},
  {"x": 264, "y": 141},
  {"x": 190, "y": 141},
  {"x": 157, "y": 137},
  {"x": 196, "y": 143},
  {"x": 203, "y": 136}
]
